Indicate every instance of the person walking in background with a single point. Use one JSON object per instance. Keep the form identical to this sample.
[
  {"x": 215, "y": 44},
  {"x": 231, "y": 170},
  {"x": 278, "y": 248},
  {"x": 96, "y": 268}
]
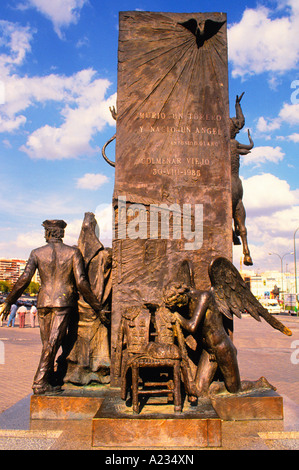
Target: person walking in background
[
  {"x": 12, "y": 315},
  {"x": 33, "y": 312},
  {"x": 22, "y": 314}
]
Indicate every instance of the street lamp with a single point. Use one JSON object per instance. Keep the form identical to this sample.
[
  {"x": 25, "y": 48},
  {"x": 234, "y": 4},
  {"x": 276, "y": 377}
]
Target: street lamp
[
  {"x": 295, "y": 263},
  {"x": 281, "y": 271}
]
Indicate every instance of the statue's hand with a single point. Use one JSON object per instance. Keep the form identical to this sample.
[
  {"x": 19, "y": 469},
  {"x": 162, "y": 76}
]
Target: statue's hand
[
  {"x": 176, "y": 317},
  {"x": 104, "y": 319},
  {"x": 4, "y": 311}
]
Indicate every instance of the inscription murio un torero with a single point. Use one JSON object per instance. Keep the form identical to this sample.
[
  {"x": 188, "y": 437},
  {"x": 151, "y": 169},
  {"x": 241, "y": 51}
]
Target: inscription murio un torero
[{"x": 188, "y": 116}]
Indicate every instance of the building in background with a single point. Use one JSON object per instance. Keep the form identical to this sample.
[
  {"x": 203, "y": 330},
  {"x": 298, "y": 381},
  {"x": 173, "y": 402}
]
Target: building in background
[
  {"x": 263, "y": 285},
  {"x": 271, "y": 284},
  {"x": 12, "y": 269}
]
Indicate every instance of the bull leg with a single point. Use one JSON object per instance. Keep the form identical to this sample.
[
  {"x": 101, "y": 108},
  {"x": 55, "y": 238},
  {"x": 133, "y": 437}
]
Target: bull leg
[
  {"x": 240, "y": 217},
  {"x": 236, "y": 239}
]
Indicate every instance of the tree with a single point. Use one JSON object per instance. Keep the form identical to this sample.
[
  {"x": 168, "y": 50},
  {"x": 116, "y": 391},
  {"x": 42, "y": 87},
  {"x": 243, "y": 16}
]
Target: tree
[
  {"x": 5, "y": 286},
  {"x": 33, "y": 288}
]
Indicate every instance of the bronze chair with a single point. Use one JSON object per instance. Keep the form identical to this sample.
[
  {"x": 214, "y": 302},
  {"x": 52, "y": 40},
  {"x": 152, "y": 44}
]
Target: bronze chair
[{"x": 140, "y": 353}]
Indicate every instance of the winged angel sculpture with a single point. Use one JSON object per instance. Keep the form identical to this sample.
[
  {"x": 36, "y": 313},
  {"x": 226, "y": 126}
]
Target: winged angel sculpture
[
  {"x": 227, "y": 296},
  {"x": 202, "y": 31}
]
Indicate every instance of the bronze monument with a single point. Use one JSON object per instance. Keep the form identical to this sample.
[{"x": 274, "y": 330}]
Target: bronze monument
[
  {"x": 174, "y": 140},
  {"x": 62, "y": 274},
  {"x": 168, "y": 283}
]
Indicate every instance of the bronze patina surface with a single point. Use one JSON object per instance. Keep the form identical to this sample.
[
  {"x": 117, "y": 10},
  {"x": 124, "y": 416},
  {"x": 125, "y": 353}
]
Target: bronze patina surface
[
  {"x": 172, "y": 148},
  {"x": 115, "y": 425}
]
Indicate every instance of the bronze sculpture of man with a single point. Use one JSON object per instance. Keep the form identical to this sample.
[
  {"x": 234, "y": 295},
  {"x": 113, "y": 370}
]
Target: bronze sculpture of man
[{"x": 62, "y": 275}]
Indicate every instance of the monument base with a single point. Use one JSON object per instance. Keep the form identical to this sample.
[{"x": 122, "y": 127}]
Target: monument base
[
  {"x": 71, "y": 403},
  {"x": 116, "y": 426},
  {"x": 256, "y": 405}
]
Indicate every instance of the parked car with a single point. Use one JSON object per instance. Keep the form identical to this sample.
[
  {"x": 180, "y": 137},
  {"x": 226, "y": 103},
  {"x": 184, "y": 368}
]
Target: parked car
[{"x": 271, "y": 305}]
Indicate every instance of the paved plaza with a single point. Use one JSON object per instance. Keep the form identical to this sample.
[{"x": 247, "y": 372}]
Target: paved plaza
[{"x": 262, "y": 351}]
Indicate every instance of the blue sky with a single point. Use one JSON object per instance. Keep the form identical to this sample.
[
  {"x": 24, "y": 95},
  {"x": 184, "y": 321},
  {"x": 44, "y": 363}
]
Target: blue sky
[{"x": 58, "y": 77}]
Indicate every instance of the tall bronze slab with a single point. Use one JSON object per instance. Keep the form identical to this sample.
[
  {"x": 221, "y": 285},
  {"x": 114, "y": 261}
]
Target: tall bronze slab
[{"x": 172, "y": 148}]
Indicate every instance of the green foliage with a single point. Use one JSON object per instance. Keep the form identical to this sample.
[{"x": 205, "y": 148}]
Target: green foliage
[
  {"x": 33, "y": 288},
  {"x": 5, "y": 286}
]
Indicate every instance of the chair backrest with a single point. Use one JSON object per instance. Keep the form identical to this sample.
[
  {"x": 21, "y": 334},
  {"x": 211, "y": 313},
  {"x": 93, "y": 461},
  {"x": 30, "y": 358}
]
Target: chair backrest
[
  {"x": 164, "y": 325},
  {"x": 136, "y": 328}
]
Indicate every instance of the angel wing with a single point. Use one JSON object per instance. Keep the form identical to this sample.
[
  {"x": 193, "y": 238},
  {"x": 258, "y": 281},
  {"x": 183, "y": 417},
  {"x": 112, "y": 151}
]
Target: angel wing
[
  {"x": 232, "y": 296},
  {"x": 203, "y": 31},
  {"x": 211, "y": 28}
]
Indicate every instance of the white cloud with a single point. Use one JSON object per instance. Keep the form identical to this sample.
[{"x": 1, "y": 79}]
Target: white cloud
[
  {"x": 259, "y": 155},
  {"x": 15, "y": 40},
  {"x": 72, "y": 231},
  {"x": 260, "y": 44},
  {"x": 7, "y": 143},
  {"x": 9, "y": 125},
  {"x": 272, "y": 217},
  {"x": 81, "y": 122},
  {"x": 30, "y": 240},
  {"x": 92, "y": 181},
  {"x": 39, "y": 206},
  {"x": 268, "y": 125},
  {"x": 267, "y": 194},
  {"x": 25, "y": 242},
  {"x": 280, "y": 222},
  {"x": 83, "y": 109},
  {"x": 22, "y": 244},
  {"x": 289, "y": 114},
  {"x": 294, "y": 137},
  {"x": 104, "y": 217},
  {"x": 62, "y": 13}
]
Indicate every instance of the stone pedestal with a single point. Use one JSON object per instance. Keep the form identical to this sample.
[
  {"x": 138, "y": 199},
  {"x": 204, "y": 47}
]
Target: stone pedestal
[
  {"x": 258, "y": 405},
  {"x": 68, "y": 405},
  {"x": 115, "y": 426}
]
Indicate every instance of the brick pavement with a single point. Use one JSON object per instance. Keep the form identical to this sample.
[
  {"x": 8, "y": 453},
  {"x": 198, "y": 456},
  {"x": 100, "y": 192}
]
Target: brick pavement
[
  {"x": 265, "y": 351},
  {"x": 22, "y": 347},
  {"x": 261, "y": 351}
]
